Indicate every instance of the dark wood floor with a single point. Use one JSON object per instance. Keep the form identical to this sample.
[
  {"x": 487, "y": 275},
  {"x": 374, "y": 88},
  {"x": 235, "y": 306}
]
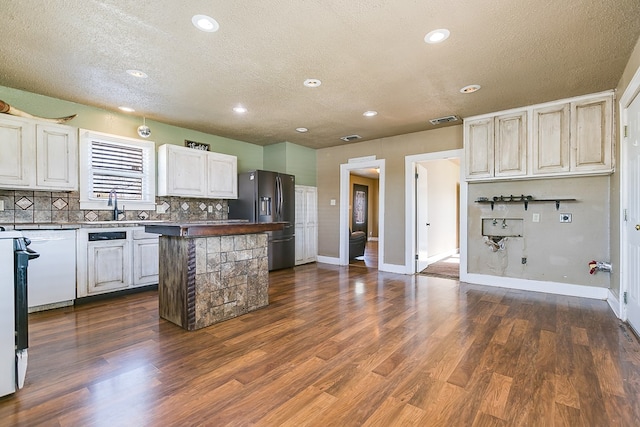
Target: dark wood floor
[{"x": 337, "y": 346}]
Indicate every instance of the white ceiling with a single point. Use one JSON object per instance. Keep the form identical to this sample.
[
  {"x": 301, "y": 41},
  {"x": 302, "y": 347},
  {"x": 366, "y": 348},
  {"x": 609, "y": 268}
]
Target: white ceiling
[{"x": 369, "y": 55}]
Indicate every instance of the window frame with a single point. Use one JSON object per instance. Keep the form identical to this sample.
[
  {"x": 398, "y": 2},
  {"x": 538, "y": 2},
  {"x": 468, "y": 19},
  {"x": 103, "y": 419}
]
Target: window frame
[{"x": 87, "y": 200}]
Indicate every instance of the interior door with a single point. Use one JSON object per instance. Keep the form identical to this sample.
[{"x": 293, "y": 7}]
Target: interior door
[
  {"x": 632, "y": 225},
  {"x": 359, "y": 217},
  {"x": 422, "y": 218}
]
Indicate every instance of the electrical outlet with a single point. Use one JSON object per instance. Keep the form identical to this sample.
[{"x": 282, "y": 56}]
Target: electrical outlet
[
  {"x": 210, "y": 209},
  {"x": 565, "y": 217},
  {"x": 332, "y": 202},
  {"x": 1, "y": 205},
  {"x": 535, "y": 217}
]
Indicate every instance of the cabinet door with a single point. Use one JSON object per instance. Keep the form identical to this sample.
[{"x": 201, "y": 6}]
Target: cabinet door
[
  {"x": 550, "y": 139},
  {"x": 108, "y": 266},
  {"x": 145, "y": 262},
  {"x": 306, "y": 224},
  {"x": 478, "y": 143},
  {"x": 182, "y": 172},
  {"x": 300, "y": 228},
  {"x": 511, "y": 144},
  {"x": 591, "y": 135},
  {"x": 222, "y": 176},
  {"x": 18, "y": 159},
  {"x": 57, "y": 157}
]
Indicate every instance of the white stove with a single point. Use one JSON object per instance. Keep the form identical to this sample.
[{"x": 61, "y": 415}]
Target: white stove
[{"x": 14, "y": 260}]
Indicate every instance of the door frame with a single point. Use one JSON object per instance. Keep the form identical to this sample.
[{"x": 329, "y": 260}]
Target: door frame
[
  {"x": 632, "y": 90},
  {"x": 345, "y": 172},
  {"x": 421, "y": 264},
  {"x": 410, "y": 207}
]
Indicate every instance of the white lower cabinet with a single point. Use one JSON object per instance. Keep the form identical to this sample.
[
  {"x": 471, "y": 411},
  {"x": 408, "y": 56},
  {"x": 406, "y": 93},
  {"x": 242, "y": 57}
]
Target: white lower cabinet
[
  {"x": 114, "y": 259},
  {"x": 108, "y": 266},
  {"x": 145, "y": 258}
]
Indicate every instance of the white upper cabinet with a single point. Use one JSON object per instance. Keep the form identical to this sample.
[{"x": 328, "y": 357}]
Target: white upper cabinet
[
  {"x": 550, "y": 139},
  {"x": 511, "y": 144},
  {"x": 181, "y": 171},
  {"x": 189, "y": 172},
  {"x": 496, "y": 146},
  {"x": 479, "y": 143},
  {"x": 591, "y": 135},
  {"x": 56, "y": 157},
  {"x": 222, "y": 176},
  {"x": 568, "y": 137},
  {"x": 38, "y": 156}
]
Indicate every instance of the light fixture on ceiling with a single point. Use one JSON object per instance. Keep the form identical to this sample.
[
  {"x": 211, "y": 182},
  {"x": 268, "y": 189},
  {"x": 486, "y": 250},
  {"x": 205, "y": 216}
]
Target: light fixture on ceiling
[
  {"x": 302, "y": 130},
  {"x": 205, "y": 23},
  {"x": 137, "y": 73},
  {"x": 470, "y": 89},
  {"x": 144, "y": 130},
  {"x": 437, "y": 36},
  {"x": 126, "y": 109},
  {"x": 370, "y": 113},
  {"x": 240, "y": 109},
  {"x": 312, "y": 83}
]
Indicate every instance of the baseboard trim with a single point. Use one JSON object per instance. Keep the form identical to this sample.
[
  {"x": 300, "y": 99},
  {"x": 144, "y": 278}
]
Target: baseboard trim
[
  {"x": 328, "y": 260},
  {"x": 614, "y": 303},
  {"x": 537, "y": 286},
  {"x": 393, "y": 268}
]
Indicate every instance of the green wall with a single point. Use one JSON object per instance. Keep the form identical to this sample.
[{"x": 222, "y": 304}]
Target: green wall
[
  {"x": 283, "y": 157},
  {"x": 293, "y": 159}
]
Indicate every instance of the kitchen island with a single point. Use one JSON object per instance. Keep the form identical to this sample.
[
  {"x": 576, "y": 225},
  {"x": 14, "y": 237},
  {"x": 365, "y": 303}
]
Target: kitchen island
[{"x": 212, "y": 271}]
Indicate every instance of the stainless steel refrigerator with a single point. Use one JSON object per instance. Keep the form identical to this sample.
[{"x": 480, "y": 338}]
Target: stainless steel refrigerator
[{"x": 265, "y": 196}]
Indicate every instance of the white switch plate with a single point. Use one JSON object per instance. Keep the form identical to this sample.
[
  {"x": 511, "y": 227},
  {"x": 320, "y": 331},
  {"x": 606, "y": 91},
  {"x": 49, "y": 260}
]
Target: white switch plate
[
  {"x": 1, "y": 205},
  {"x": 536, "y": 217},
  {"x": 333, "y": 202}
]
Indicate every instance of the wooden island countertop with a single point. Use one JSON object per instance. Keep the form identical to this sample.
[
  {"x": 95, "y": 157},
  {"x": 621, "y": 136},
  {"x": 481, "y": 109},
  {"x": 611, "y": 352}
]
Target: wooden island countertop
[
  {"x": 211, "y": 271},
  {"x": 212, "y": 228}
]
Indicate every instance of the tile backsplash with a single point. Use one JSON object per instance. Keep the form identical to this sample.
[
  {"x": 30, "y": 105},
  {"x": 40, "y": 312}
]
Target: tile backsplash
[{"x": 34, "y": 207}]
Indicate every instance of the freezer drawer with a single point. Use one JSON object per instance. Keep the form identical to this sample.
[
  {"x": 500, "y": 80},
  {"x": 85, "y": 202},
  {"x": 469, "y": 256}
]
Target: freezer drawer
[{"x": 282, "y": 253}]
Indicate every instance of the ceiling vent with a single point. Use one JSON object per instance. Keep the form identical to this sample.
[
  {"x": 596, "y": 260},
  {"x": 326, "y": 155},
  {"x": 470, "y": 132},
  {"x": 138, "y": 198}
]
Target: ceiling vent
[
  {"x": 350, "y": 138},
  {"x": 442, "y": 120}
]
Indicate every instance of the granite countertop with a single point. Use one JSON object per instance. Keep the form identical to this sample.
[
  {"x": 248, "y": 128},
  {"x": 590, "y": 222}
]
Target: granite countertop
[
  {"x": 212, "y": 228},
  {"x": 76, "y": 225}
]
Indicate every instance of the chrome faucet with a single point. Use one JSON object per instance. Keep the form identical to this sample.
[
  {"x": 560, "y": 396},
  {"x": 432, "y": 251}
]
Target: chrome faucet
[{"x": 113, "y": 201}]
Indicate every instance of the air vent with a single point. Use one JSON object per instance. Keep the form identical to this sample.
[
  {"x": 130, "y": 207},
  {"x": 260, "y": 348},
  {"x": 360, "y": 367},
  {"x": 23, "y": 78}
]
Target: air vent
[
  {"x": 443, "y": 120},
  {"x": 350, "y": 138}
]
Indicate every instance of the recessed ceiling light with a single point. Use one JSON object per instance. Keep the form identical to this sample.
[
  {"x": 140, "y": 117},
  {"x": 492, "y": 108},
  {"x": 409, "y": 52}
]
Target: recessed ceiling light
[
  {"x": 302, "y": 130},
  {"x": 205, "y": 23},
  {"x": 137, "y": 73},
  {"x": 312, "y": 83},
  {"x": 239, "y": 109},
  {"x": 127, "y": 109},
  {"x": 370, "y": 113},
  {"x": 470, "y": 89},
  {"x": 437, "y": 36}
]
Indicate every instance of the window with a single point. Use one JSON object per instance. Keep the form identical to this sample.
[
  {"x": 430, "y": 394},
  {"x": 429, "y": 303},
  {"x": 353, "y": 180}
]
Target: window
[{"x": 110, "y": 162}]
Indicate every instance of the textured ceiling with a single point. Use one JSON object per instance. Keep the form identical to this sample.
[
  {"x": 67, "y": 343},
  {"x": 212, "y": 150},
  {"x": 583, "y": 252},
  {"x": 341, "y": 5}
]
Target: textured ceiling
[{"x": 369, "y": 55}]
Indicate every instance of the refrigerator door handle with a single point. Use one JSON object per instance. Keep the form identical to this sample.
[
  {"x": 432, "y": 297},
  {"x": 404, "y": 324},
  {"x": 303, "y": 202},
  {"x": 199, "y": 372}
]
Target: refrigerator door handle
[{"x": 278, "y": 198}]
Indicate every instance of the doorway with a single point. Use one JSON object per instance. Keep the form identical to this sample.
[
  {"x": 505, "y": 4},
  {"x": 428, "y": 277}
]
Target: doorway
[
  {"x": 351, "y": 171},
  {"x": 433, "y": 210}
]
